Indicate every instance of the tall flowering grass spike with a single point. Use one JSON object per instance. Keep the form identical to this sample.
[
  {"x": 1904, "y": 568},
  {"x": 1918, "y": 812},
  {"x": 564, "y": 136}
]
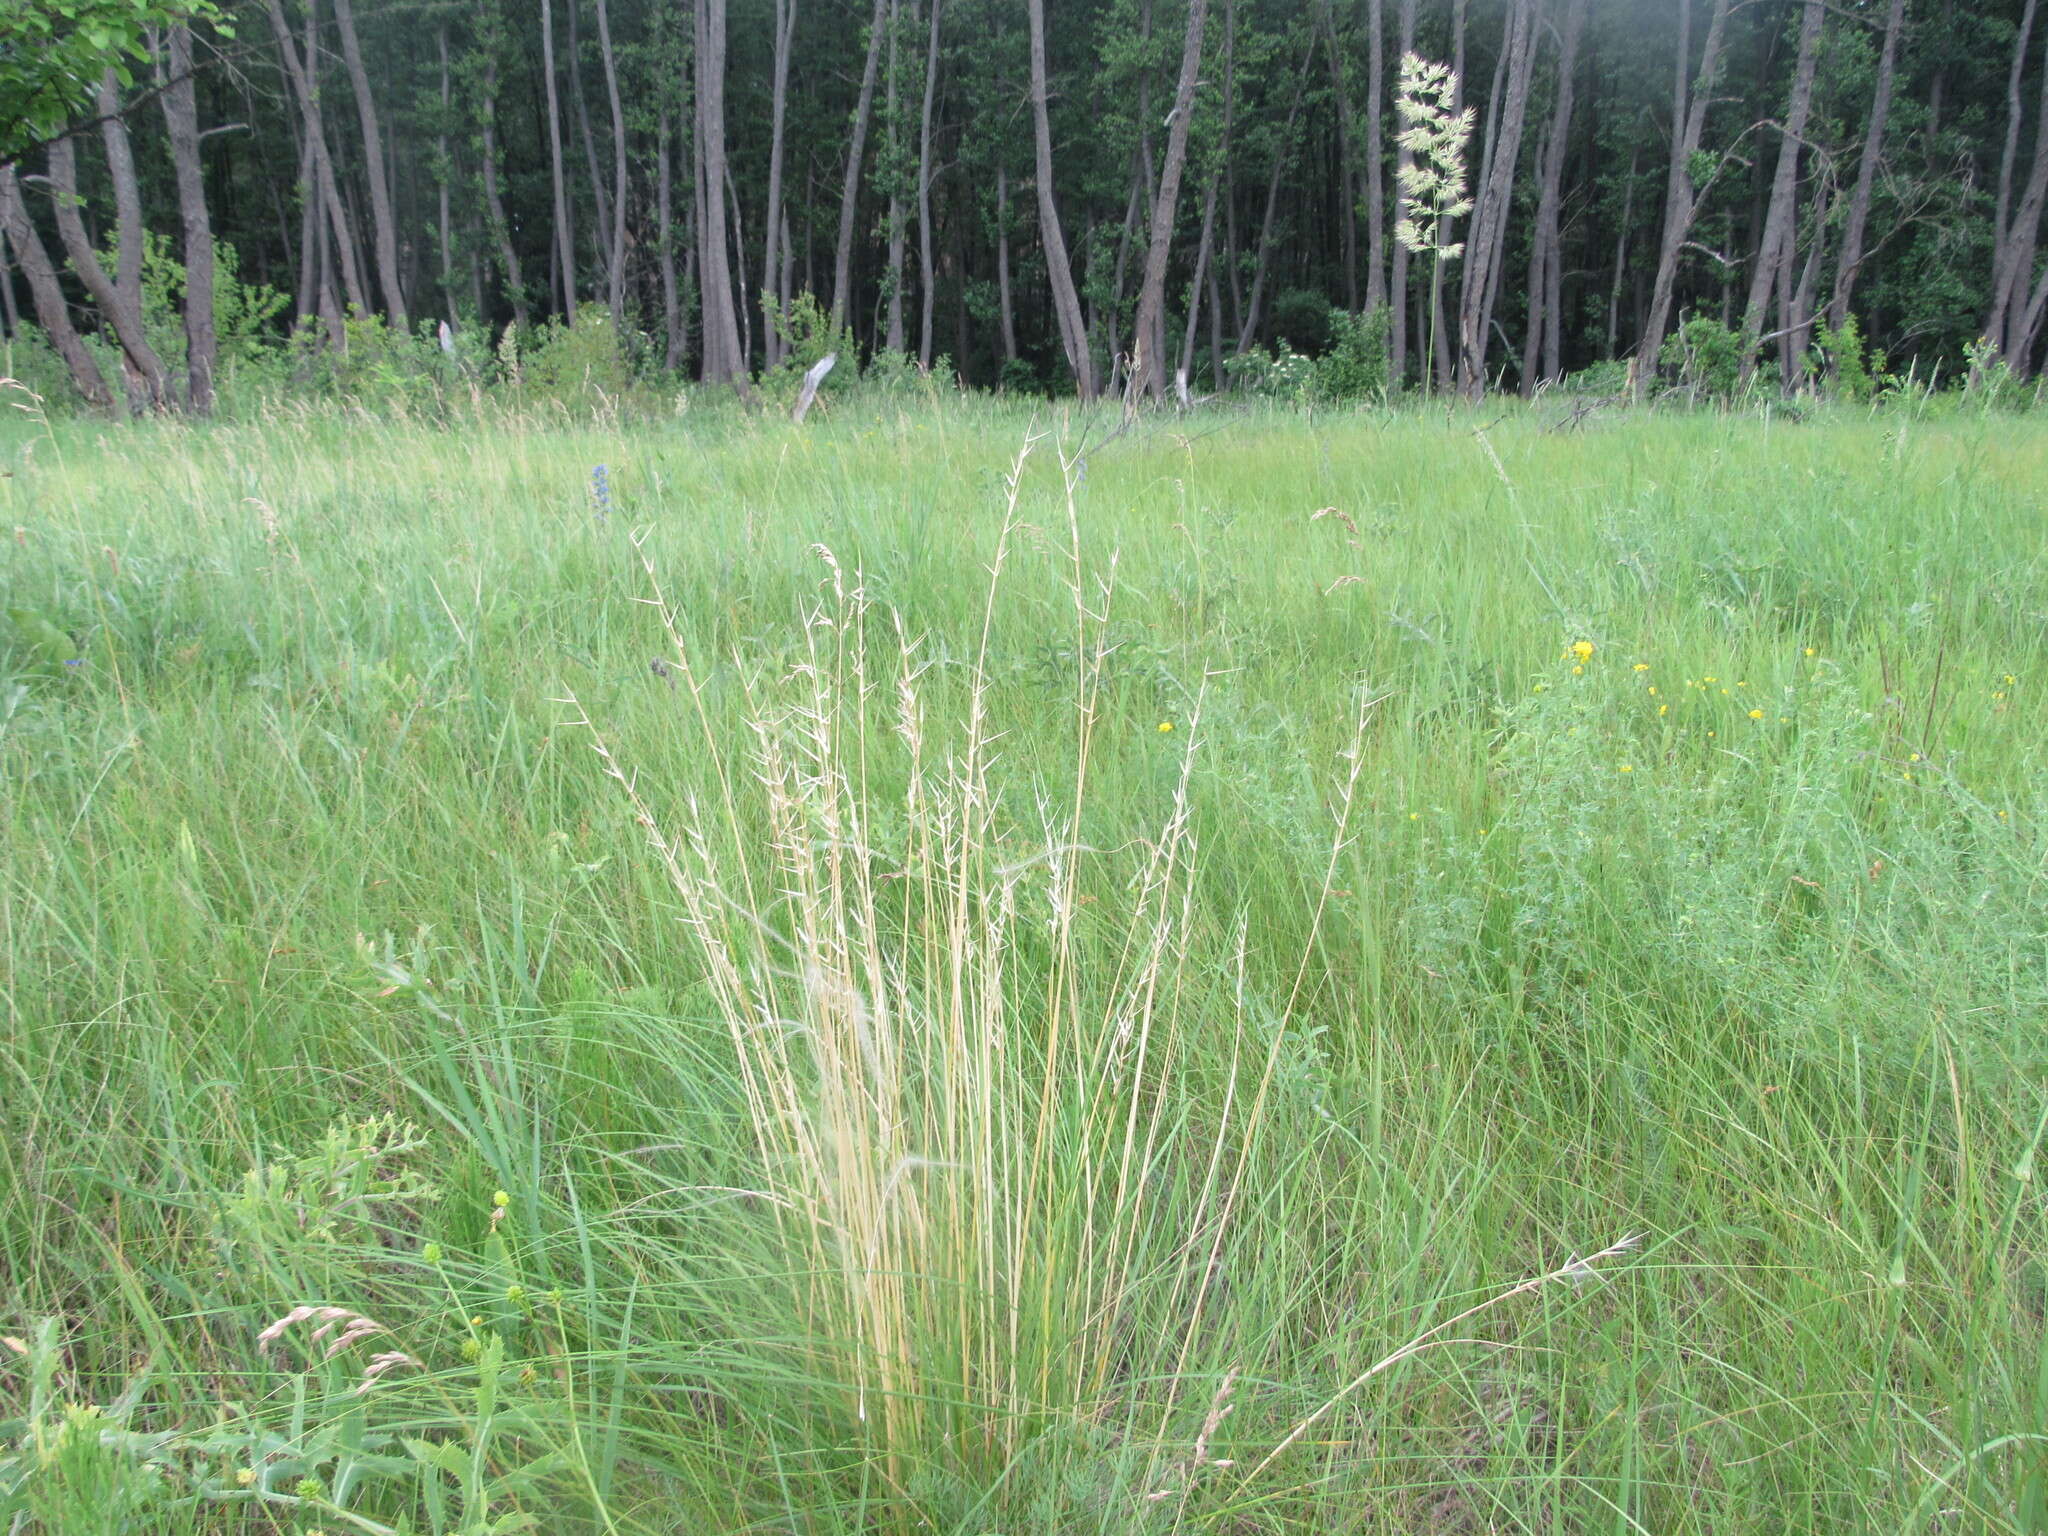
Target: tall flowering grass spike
[{"x": 1435, "y": 133}]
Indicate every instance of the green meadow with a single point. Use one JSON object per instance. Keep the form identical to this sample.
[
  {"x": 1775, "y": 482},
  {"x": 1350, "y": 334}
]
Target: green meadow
[{"x": 951, "y": 969}]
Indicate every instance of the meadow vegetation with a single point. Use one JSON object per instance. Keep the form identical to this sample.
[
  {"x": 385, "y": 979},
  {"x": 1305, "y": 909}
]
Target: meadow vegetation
[{"x": 959, "y": 969}]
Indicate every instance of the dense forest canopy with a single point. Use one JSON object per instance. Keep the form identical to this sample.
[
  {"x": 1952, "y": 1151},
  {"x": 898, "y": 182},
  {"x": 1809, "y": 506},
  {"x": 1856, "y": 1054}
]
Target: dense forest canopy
[{"x": 1050, "y": 194}]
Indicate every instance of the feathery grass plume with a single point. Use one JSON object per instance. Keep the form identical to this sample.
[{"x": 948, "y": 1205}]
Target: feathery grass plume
[{"x": 1435, "y": 134}]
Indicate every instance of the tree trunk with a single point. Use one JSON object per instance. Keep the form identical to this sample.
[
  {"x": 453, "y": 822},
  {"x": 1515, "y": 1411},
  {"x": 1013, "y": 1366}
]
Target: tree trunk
[
  {"x": 617, "y": 292},
  {"x": 1688, "y": 121},
  {"x": 1397, "y": 288},
  {"x": 2014, "y": 239},
  {"x": 1375, "y": 149},
  {"x": 671, "y": 300},
  {"x": 1866, "y": 169},
  {"x": 722, "y": 362},
  {"x": 895, "y": 215},
  {"x": 305, "y": 78},
  {"x": 374, "y": 169},
  {"x": 785, "y": 36},
  {"x": 1149, "y": 339},
  {"x": 1066, "y": 302},
  {"x": 48, "y": 296},
  {"x": 501, "y": 228},
  {"x": 1348, "y": 176},
  {"x": 127, "y": 194},
  {"x": 849, "y": 196},
  {"x": 181, "y": 121},
  {"x": 1774, "y": 251},
  {"x": 1487, "y": 235},
  {"x": 1262, "y": 261},
  {"x": 10, "y": 317},
  {"x": 1546, "y": 309},
  {"x": 443, "y": 178},
  {"x": 1621, "y": 239},
  {"x": 579, "y": 103},
  {"x": 143, "y": 369},
  {"x": 1187, "y": 343},
  {"x": 1004, "y": 303},
  {"x": 565, "y": 239},
  {"x": 924, "y": 197}
]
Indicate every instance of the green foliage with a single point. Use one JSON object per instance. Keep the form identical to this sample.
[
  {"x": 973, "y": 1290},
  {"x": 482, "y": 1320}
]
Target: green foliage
[
  {"x": 580, "y": 365},
  {"x": 1851, "y": 374},
  {"x": 1303, "y": 320},
  {"x": 1705, "y": 356},
  {"x": 1356, "y": 365},
  {"x": 53, "y": 52}
]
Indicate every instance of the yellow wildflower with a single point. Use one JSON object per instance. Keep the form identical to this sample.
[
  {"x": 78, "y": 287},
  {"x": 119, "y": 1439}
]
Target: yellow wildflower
[
  {"x": 1811, "y": 651},
  {"x": 1663, "y": 709},
  {"x": 1756, "y": 714},
  {"x": 1583, "y": 649},
  {"x": 1642, "y": 666},
  {"x": 1165, "y": 726},
  {"x": 1578, "y": 671},
  {"x": 1627, "y": 768}
]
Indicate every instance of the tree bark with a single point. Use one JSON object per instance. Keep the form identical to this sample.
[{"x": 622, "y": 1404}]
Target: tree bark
[
  {"x": 924, "y": 196},
  {"x": 1375, "y": 150},
  {"x": 305, "y": 78},
  {"x": 671, "y": 300},
  {"x": 579, "y": 103},
  {"x": 1254, "y": 310},
  {"x": 43, "y": 289},
  {"x": 1202, "y": 250},
  {"x": 722, "y": 362},
  {"x": 1487, "y": 236},
  {"x": 894, "y": 220},
  {"x": 10, "y": 317},
  {"x": 1397, "y": 290},
  {"x": 2014, "y": 237},
  {"x": 1005, "y": 304},
  {"x": 143, "y": 369},
  {"x": 374, "y": 169},
  {"x": 856, "y": 149},
  {"x": 1866, "y": 170},
  {"x": 445, "y": 174},
  {"x": 785, "y": 36},
  {"x": 565, "y": 239},
  {"x": 1774, "y": 252},
  {"x": 1149, "y": 340},
  {"x": 617, "y": 292},
  {"x": 1066, "y": 302},
  {"x": 1546, "y": 307},
  {"x": 181, "y": 122},
  {"x": 1688, "y": 120},
  {"x": 1349, "y": 173},
  {"x": 127, "y": 193},
  {"x": 501, "y": 227}
]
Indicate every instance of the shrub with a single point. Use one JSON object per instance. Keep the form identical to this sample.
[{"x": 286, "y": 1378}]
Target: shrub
[
  {"x": 1305, "y": 320},
  {"x": 1356, "y": 367},
  {"x": 578, "y": 364},
  {"x": 1706, "y": 356}
]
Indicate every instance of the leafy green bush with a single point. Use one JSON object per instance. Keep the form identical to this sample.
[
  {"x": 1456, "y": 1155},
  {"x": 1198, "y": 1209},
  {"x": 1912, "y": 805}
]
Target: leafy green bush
[
  {"x": 808, "y": 332},
  {"x": 1356, "y": 366},
  {"x": 1843, "y": 348},
  {"x": 1706, "y": 357},
  {"x": 1305, "y": 320},
  {"x": 581, "y": 364},
  {"x": 1282, "y": 374}
]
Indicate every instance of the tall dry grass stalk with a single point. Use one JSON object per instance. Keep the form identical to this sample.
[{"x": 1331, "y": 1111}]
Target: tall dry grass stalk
[{"x": 962, "y": 1115}]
